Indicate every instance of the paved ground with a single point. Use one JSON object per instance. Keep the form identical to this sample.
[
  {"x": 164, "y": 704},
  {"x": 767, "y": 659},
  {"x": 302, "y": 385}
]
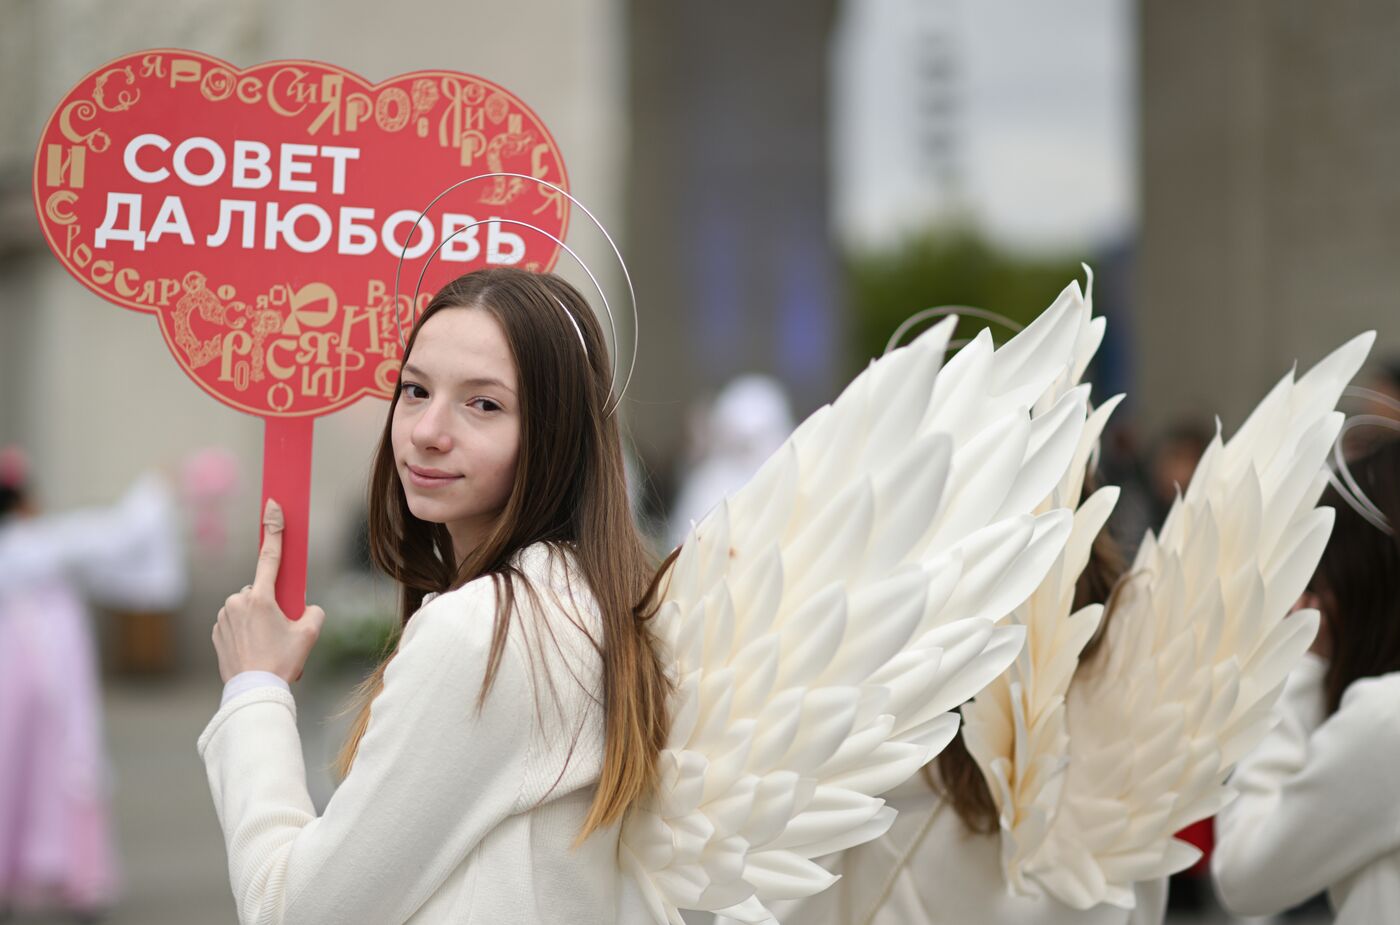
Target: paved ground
[{"x": 171, "y": 850}]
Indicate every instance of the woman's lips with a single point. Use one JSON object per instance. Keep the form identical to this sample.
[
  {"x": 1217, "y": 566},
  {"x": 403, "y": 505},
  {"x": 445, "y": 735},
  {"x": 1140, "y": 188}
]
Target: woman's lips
[{"x": 430, "y": 478}]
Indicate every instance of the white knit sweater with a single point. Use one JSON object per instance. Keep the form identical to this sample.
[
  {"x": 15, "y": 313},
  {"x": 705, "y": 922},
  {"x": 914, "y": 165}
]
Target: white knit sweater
[
  {"x": 1318, "y": 805},
  {"x": 450, "y": 813}
]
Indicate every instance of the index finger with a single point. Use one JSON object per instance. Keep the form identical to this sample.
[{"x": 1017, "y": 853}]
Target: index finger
[{"x": 270, "y": 556}]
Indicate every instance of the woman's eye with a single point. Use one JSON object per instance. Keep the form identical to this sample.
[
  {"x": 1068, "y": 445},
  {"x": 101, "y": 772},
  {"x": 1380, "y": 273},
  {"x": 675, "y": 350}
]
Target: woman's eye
[
  {"x": 412, "y": 390},
  {"x": 483, "y": 404}
]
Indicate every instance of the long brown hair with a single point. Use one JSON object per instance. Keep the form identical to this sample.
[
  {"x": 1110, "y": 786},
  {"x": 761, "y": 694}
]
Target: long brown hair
[
  {"x": 1358, "y": 578},
  {"x": 569, "y": 491},
  {"x": 959, "y": 779}
]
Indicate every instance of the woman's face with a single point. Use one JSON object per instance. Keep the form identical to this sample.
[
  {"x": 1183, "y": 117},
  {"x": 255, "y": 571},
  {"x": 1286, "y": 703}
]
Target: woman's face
[{"x": 456, "y": 427}]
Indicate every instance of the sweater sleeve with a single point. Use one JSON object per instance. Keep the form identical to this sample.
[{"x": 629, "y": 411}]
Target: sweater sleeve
[
  {"x": 1316, "y": 802},
  {"x": 432, "y": 777}
]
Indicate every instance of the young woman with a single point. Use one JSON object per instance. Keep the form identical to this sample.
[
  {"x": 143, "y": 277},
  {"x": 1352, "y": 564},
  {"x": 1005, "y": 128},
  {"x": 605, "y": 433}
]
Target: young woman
[
  {"x": 1319, "y": 800},
  {"x": 523, "y": 709}
]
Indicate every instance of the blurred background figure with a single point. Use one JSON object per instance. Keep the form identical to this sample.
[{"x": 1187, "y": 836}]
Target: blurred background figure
[
  {"x": 747, "y": 421},
  {"x": 1317, "y": 808},
  {"x": 209, "y": 479},
  {"x": 56, "y": 847},
  {"x": 1172, "y": 463}
]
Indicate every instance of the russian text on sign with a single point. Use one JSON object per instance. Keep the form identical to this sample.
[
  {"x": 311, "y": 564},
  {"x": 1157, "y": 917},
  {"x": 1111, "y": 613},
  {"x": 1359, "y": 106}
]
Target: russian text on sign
[
  {"x": 352, "y": 229},
  {"x": 252, "y": 163}
]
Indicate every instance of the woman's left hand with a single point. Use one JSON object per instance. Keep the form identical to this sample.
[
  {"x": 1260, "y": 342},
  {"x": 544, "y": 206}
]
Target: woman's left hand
[{"x": 252, "y": 633}]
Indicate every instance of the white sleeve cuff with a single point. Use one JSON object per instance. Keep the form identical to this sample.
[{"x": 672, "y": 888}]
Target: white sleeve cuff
[{"x": 246, "y": 681}]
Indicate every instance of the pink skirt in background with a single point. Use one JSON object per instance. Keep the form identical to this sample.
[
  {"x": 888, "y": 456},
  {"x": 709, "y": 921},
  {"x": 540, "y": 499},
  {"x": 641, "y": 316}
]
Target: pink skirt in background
[{"x": 55, "y": 835}]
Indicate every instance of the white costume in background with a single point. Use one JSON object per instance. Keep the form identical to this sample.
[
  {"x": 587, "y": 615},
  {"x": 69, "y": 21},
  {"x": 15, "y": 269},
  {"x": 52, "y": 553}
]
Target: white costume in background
[
  {"x": 449, "y": 814},
  {"x": 55, "y": 838},
  {"x": 1319, "y": 806},
  {"x": 750, "y": 418}
]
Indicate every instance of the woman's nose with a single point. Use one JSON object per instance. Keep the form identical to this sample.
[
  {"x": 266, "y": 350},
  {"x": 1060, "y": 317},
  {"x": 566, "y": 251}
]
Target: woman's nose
[{"x": 431, "y": 431}]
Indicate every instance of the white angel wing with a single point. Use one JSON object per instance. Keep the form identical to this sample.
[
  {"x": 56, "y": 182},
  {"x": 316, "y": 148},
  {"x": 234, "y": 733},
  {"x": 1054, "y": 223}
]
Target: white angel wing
[
  {"x": 824, "y": 622},
  {"x": 1016, "y": 728},
  {"x": 1194, "y": 658}
]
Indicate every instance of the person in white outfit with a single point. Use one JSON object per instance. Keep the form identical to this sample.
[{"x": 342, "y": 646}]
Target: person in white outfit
[
  {"x": 523, "y": 709},
  {"x": 1319, "y": 799},
  {"x": 56, "y": 845},
  {"x": 748, "y": 421}
]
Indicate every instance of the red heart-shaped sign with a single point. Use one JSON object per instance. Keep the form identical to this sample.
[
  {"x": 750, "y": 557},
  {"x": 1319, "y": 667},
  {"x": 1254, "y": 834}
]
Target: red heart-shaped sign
[{"x": 260, "y": 213}]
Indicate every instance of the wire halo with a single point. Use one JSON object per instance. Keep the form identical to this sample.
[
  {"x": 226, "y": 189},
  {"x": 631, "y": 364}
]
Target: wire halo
[
  {"x": 1356, "y": 391},
  {"x": 627, "y": 276},
  {"x": 570, "y": 251},
  {"x": 941, "y": 311},
  {"x": 1346, "y": 486}
]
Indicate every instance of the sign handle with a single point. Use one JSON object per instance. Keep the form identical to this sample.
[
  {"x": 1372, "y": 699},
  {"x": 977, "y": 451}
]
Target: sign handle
[{"x": 287, "y": 478}]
